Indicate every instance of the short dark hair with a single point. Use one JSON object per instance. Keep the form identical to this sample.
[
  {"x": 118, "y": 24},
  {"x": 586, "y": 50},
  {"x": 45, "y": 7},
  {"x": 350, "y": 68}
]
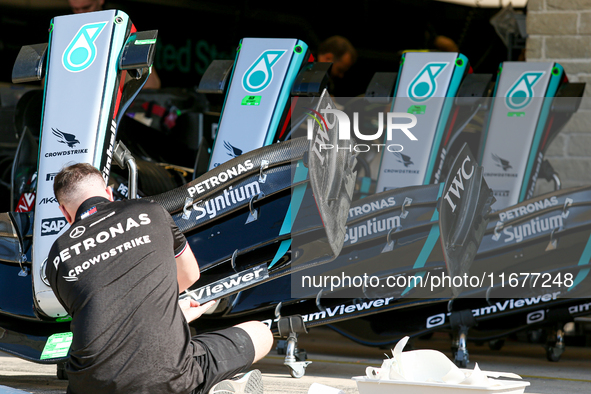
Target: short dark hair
[
  {"x": 67, "y": 179},
  {"x": 338, "y": 46}
]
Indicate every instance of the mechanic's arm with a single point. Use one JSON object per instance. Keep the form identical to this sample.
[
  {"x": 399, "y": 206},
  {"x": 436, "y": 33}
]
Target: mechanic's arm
[{"x": 187, "y": 269}]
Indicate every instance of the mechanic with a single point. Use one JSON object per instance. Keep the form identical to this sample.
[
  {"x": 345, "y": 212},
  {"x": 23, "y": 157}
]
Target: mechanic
[
  {"x": 340, "y": 52},
  {"x": 114, "y": 272}
]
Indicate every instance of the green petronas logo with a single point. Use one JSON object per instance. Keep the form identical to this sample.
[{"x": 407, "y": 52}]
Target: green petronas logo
[
  {"x": 424, "y": 84},
  {"x": 520, "y": 93},
  {"x": 81, "y": 51},
  {"x": 260, "y": 73}
]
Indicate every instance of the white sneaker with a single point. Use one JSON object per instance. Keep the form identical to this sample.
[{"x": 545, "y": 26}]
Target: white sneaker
[{"x": 250, "y": 383}]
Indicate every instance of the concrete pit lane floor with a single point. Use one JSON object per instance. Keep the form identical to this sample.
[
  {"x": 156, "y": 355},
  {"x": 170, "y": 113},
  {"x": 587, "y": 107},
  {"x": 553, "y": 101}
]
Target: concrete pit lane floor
[{"x": 336, "y": 359}]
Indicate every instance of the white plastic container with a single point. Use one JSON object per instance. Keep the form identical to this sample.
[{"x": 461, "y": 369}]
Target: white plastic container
[
  {"x": 317, "y": 388},
  {"x": 367, "y": 386}
]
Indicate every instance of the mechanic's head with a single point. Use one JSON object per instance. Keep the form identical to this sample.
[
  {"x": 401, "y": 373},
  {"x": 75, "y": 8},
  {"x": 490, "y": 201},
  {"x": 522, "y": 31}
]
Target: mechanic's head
[
  {"x": 75, "y": 184},
  {"x": 340, "y": 52},
  {"x": 82, "y": 6}
]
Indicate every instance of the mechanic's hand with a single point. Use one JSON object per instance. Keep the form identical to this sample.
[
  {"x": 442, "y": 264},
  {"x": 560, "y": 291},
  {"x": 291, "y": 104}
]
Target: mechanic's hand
[{"x": 192, "y": 309}]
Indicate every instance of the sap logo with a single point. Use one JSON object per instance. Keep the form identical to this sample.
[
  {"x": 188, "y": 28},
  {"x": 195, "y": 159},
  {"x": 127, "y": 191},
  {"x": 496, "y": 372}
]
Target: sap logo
[
  {"x": 48, "y": 200},
  {"x": 424, "y": 84},
  {"x": 521, "y": 92},
  {"x": 81, "y": 51},
  {"x": 260, "y": 73},
  {"x": 436, "y": 320},
  {"x": 536, "y": 316},
  {"x": 457, "y": 183},
  {"x": 52, "y": 226}
]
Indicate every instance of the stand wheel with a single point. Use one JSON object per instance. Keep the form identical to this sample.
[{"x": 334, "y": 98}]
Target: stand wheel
[
  {"x": 553, "y": 353},
  {"x": 297, "y": 373},
  {"x": 496, "y": 344},
  {"x": 297, "y": 369}
]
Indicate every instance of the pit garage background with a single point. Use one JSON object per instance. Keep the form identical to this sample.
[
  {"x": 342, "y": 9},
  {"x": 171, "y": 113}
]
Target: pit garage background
[{"x": 194, "y": 33}]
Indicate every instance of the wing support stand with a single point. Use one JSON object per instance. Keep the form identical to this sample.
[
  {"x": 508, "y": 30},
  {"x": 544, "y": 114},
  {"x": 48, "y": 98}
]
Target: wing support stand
[{"x": 291, "y": 327}]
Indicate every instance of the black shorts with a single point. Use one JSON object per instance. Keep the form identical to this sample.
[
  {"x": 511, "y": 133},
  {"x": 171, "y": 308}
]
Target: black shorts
[{"x": 225, "y": 353}]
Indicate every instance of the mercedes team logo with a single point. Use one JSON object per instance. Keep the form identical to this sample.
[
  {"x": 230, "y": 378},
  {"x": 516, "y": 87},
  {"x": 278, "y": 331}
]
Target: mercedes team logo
[{"x": 77, "y": 232}]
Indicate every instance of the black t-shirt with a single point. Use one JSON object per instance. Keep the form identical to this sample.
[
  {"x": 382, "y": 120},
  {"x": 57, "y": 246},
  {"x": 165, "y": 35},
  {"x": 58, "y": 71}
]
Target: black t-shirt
[{"x": 114, "y": 272}]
